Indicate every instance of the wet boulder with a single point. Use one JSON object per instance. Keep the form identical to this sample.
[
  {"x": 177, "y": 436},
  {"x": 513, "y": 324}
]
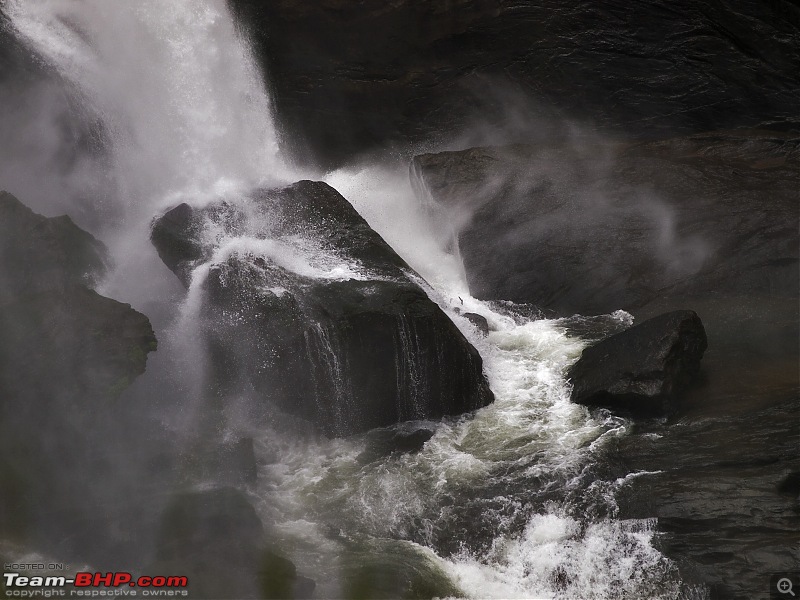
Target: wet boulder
[
  {"x": 479, "y": 321},
  {"x": 301, "y": 301},
  {"x": 641, "y": 368},
  {"x": 406, "y": 438}
]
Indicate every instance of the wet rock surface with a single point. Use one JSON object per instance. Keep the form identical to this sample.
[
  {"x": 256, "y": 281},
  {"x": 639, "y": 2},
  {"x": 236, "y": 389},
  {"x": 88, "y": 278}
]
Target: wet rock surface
[
  {"x": 347, "y": 352},
  {"x": 641, "y": 368},
  {"x": 348, "y": 77},
  {"x": 715, "y": 464},
  {"x": 715, "y": 471},
  {"x": 595, "y": 226},
  {"x": 478, "y": 321},
  {"x": 41, "y": 254},
  {"x": 403, "y": 439},
  {"x": 790, "y": 485}
]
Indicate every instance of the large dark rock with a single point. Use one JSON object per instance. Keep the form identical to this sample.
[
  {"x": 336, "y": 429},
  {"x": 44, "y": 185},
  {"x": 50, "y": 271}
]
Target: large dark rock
[
  {"x": 39, "y": 254},
  {"x": 790, "y": 485},
  {"x": 306, "y": 304},
  {"x": 642, "y": 367},
  {"x": 595, "y": 226},
  {"x": 350, "y": 76},
  {"x": 66, "y": 354},
  {"x": 60, "y": 339},
  {"x": 406, "y": 438},
  {"x": 479, "y": 321},
  {"x": 70, "y": 344}
]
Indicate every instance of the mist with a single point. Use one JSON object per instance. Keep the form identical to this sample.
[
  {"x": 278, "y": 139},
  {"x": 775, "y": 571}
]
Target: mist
[{"x": 148, "y": 115}]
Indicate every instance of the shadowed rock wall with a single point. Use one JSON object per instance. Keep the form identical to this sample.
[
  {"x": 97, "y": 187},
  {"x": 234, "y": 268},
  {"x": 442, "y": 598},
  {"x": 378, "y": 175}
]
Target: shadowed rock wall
[{"x": 353, "y": 76}]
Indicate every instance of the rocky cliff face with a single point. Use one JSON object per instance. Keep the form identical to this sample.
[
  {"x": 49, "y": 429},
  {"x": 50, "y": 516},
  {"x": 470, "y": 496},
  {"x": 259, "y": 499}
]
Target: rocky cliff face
[
  {"x": 305, "y": 303},
  {"x": 353, "y": 76},
  {"x": 66, "y": 354},
  {"x": 90, "y": 347},
  {"x": 598, "y": 226}
]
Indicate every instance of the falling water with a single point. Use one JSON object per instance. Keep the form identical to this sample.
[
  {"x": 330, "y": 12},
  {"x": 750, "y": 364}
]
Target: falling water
[
  {"x": 408, "y": 369},
  {"x": 506, "y": 502},
  {"x": 174, "y": 85},
  {"x": 330, "y": 372},
  {"x": 183, "y": 109}
]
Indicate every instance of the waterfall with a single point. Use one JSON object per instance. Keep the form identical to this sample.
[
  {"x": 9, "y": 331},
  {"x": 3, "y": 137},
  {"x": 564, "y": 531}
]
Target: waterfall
[
  {"x": 185, "y": 114},
  {"x": 329, "y": 371},
  {"x": 175, "y": 86},
  {"x": 409, "y": 371},
  {"x": 495, "y": 499}
]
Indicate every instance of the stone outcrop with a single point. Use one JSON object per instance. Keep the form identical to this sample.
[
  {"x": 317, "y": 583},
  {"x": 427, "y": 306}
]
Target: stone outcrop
[
  {"x": 303, "y": 302},
  {"x": 66, "y": 355},
  {"x": 59, "y": 338}
]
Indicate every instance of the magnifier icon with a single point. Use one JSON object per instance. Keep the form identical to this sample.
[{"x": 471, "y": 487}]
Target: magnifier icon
[{"x": 785, "y": 586}]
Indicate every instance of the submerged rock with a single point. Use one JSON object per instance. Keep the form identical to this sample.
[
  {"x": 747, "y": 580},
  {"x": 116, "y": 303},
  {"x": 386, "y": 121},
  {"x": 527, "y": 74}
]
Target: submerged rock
[
  {"x": 596, "y": 226},
  {"x": 479, "y": 321},
  {"x": 393, "y": 569},
  {"x": 303, "y": 302},
  {"x": 407, "y": 438},
  {"x": 640, "y": 368}
]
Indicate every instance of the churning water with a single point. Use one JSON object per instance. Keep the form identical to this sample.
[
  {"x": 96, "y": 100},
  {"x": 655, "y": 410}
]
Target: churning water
[{"x": 508, "y": 502}]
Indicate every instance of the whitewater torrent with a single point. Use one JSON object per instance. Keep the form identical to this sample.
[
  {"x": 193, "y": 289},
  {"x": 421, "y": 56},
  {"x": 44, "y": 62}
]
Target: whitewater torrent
[
  {"x": 505, "y": 501},
  {"x": 184, "y": 111}
]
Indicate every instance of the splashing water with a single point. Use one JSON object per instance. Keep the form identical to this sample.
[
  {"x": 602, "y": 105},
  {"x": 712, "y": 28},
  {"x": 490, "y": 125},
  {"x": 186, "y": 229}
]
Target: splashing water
[
  {"x": 506, "y": 498},
  {"x": 504, "y": 501},
  {"x": 174, "y": 85},
  {"x": 183, "y": 109}
]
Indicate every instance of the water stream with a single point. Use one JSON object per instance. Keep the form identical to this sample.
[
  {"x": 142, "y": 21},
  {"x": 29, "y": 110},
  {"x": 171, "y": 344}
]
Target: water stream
[{"x": 510, "y": 502}]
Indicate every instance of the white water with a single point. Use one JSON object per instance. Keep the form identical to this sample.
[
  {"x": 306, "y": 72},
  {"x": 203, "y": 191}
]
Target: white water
[
  {"x": 181, "y": 103},
  {"x": 531, "y": 430},
  {"x": 188, "y": 119}
]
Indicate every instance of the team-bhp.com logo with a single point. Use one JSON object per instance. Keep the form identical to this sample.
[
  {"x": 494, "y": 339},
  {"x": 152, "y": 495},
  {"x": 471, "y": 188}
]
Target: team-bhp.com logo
[{"x": 85, "y": 584}]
